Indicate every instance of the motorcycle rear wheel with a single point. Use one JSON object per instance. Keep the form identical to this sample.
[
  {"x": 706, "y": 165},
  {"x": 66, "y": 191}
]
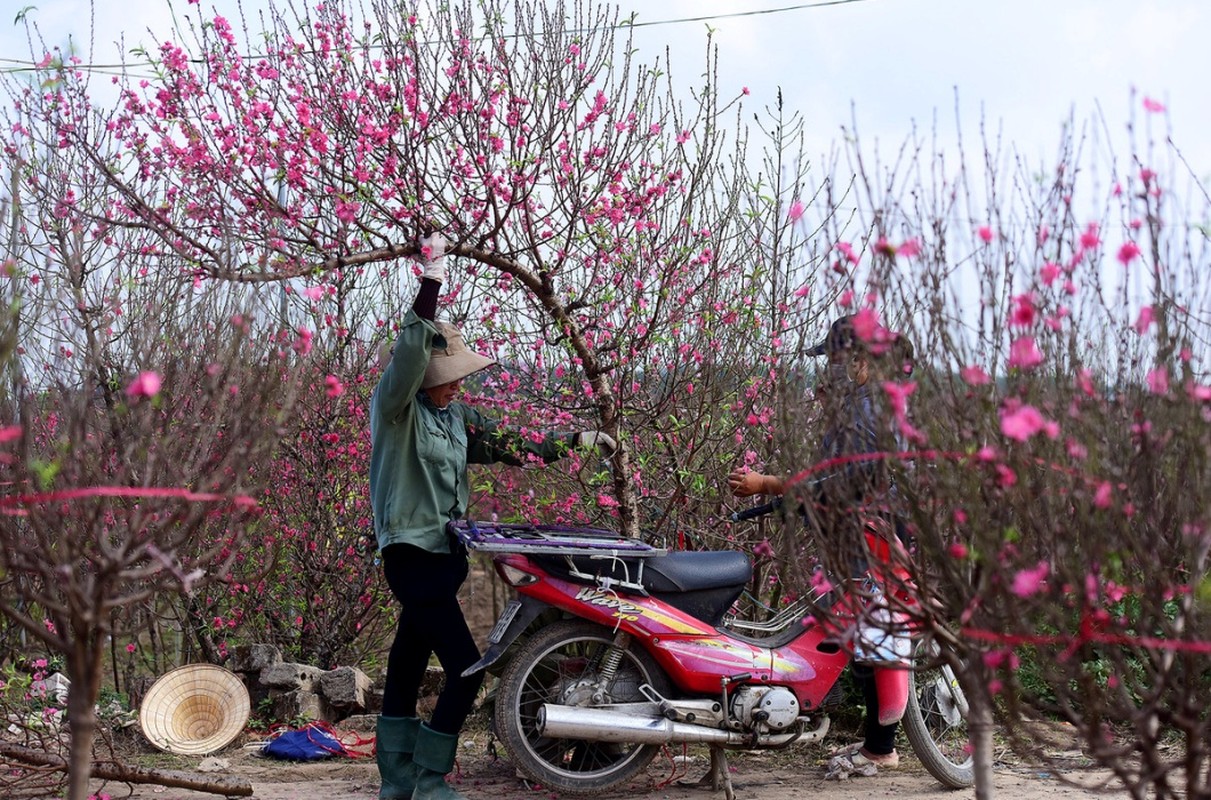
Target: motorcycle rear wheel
[
  {"x": 552, "y": 667},
  {"x": 935, "y": 720}
]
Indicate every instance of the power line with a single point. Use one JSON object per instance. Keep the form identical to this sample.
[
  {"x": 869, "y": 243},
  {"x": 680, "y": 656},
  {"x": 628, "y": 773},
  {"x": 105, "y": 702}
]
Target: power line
[
  {"x": 757, "y": 12},
  {"x": 22, "y": 65}
]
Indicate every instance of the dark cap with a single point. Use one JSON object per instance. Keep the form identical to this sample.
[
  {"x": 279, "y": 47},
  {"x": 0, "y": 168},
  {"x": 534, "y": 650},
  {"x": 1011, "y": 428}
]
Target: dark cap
[
  {"x": 840, "y": 336},
  {"x": 903, "y": 354}
]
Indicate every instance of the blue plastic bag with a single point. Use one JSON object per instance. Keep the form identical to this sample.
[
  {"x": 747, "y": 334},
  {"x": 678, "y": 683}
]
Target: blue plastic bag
[{"x": 305, "y": 744}]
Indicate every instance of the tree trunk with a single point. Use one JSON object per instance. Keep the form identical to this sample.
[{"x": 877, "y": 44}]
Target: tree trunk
[
  {"x": 84, "y": 670},
  {"x": 980, "y": 729}
]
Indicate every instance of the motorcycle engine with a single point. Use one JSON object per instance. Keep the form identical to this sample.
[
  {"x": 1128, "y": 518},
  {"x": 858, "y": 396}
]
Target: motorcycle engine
[{"x": 772, "y": 708}]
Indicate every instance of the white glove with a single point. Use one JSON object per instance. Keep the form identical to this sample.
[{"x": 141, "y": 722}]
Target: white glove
[
  {"x": 604, "y": 443},
  {"x": 432, "y": 255}
]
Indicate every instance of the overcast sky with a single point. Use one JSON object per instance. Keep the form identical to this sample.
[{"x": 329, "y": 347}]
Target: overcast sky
[{"x": 1022, "y": 65}]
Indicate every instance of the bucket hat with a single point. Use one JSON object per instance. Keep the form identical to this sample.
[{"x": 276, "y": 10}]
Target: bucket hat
[{"x": 451, "y": 359}]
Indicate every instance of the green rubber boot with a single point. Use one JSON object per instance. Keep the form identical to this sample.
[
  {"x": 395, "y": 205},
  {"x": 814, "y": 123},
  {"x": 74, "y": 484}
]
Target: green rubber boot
[
  {"x": 434, "y": 758},
  {"x": 395, "y": 742}
]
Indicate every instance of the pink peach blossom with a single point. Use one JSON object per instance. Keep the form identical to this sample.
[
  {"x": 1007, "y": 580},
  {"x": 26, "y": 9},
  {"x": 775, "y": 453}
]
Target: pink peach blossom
[
  {"x": 1158, "y": 380},
  {"x": 145, "y": 384},
  {"x": 1022, "y": 423},
  {"x": 974, "y": 376},
  {"x": 1091, "y": 238},
  {"x": 1029, "y": 582},
  {"x": 1024, "y": 354},
  {"x": 1144, "y": 321},
  {"x": 1128, "y": 252},
  {"x": 1022, "y": 314}
]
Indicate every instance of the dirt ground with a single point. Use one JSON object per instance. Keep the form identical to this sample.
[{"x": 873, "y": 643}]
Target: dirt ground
[{"x": 797, "y": 772}]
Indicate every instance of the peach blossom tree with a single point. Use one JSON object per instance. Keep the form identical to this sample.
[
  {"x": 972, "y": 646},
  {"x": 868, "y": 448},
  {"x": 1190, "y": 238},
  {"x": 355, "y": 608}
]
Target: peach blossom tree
[{"x": 1050, "y": 449}]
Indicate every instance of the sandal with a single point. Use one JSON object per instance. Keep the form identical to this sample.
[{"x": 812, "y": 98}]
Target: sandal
[
  {"x": 856, "y": 763},
  {"x": 845, "y": 750}
]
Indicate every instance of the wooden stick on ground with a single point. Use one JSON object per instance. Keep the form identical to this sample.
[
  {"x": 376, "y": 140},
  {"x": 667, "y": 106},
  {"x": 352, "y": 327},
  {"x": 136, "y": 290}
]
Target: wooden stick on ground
[{"x": 226, "y": 785}]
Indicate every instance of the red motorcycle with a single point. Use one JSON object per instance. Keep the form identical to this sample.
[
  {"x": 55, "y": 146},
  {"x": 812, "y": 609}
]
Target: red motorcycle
[{"x": 614, "y": 649}]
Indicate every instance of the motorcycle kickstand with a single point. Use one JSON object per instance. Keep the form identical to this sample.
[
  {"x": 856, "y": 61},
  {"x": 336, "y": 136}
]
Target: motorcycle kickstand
[{"x": 717, "y": 777}]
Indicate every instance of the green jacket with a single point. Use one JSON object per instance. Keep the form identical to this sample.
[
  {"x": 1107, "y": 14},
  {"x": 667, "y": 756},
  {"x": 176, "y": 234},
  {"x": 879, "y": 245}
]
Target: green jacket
[{"x": 419, "y": 453}]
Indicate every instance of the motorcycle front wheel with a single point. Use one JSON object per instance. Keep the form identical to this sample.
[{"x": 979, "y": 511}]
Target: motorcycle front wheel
[
  {"x": 935, "y": 720},
  {"x": 564, "y": 664}
]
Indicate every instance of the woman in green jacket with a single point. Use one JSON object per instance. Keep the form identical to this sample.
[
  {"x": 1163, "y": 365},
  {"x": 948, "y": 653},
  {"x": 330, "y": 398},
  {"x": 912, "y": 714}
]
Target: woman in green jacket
[{"x": 422, "y": 441}]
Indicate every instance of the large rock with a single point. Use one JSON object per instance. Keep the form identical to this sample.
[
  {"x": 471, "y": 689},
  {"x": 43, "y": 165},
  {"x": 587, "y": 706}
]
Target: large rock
[
  {"x": 254, "y": 657},
  {"x": 291, "y": 676},
  {"x": 345, "y": 687},
  {"x": 298, "y": 705}
]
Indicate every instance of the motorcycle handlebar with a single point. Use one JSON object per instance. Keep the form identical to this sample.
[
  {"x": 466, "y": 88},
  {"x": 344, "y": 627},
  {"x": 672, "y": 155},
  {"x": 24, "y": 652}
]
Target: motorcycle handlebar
[{"x": 757, "y": 511}]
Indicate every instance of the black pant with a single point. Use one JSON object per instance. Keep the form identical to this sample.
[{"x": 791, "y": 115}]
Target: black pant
[
  {"x": 879, "y": 740},
  {"x": 430, "y": 621}
]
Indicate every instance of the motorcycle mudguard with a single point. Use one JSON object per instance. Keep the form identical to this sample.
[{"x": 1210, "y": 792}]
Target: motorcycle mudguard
[
  {"x": 892, "y": 685},
  {"x": 527, "y": 613}
]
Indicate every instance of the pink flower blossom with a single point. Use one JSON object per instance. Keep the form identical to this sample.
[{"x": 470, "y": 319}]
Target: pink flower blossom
[
  {"x": 302, "y": 344},
  {"x": 1101, "y": 497},
  {"x": 985, "y": 233},
  {"x": 866, "y": 325},
  {"x": 1128, "y": 252},
  {"x": 958, "y": 550},
  {"x": 1144, "y": 321},
  {"x": 335, "y": 387},
  {"x": 146, "y": 384},
  {"x": 847, "y": 250},
  {"x": 313, "y": 292},
  {"x": 1006, "y": 477},
  {"x": 909, "y": 248},
  {"x": 1158, "y": 380},
  {"x": 1029, "y": 582},
  {"x": 1022, "y": 423},
  {"x": 1049, "y": 272},
  {"x": 796, "y": 211},
  {"x": 1091, "y": 238},
  {"x": 974, "y": 376},
  {"x": 1024, "y": 354},
  {"x": 1022, "y": 314},
  {"x": 763, "y": 549},
  {"x": 820, "y": 582},
  {"x": 1153, "y": 106},
  {"x": 1084, "y": 380}
]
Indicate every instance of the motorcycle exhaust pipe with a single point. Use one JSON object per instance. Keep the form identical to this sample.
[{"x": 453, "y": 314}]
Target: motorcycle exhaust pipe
[{"x": 604, "y": 725}]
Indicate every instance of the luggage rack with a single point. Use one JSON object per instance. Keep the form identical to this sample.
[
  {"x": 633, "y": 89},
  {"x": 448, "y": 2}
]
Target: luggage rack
[{"x": 561, "y": 540}]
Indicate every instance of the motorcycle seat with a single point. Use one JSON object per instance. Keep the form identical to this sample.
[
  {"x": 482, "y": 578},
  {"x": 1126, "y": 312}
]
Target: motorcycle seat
[
  {"x": 674, "y": 573},
  {"x": 703, "y": 584},
  {"x": 692, "y": 571}
]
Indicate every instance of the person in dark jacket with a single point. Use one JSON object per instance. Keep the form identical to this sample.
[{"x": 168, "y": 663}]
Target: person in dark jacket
[
  {"x": 422, "y": 439},
  {"x": 854, "y": 427}
]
